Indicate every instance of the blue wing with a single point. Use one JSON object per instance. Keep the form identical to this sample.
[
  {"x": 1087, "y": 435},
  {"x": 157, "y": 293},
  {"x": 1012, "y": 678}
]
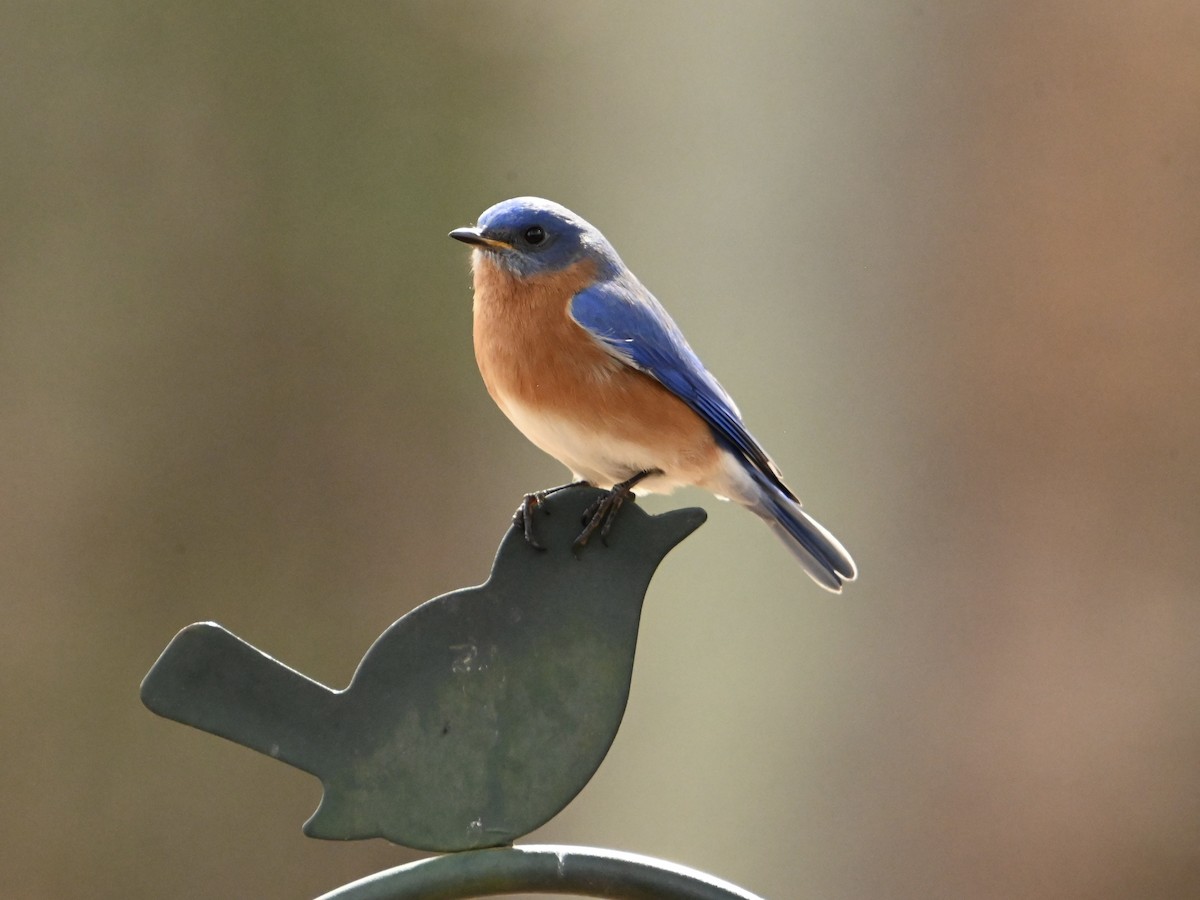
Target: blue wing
[{"x": 633, "y": 326}]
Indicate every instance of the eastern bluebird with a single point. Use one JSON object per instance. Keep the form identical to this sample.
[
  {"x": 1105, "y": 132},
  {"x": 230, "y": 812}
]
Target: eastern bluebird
[{"x": 589, "y": 366}]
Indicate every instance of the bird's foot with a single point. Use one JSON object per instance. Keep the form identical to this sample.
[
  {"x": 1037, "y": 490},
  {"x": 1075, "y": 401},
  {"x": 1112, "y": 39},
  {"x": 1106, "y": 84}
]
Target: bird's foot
[
  {"x": 523, "y": 517},
  {"x": 601, "y": 514}
]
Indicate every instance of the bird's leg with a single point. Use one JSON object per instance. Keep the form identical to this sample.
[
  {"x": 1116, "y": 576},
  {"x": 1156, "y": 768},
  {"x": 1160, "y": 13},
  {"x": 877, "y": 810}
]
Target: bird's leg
[
  {"x": 601, "y": 514},
  {"x": 523, "y": 517}
]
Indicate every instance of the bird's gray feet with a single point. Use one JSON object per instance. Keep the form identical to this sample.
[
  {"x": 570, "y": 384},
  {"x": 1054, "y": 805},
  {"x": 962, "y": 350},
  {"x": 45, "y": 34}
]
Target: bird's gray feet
[
  {"x": 601, "y": 514},
  {"x": 523, "y": 517}
]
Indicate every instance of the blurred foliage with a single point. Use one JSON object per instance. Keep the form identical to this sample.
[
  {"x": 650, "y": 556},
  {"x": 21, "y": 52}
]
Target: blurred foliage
[{"x": 944, "y": 255}]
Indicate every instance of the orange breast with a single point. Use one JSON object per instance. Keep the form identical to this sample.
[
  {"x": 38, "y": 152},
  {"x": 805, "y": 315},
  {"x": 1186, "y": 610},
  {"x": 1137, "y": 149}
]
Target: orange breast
[{"x": 529, "y": 349}]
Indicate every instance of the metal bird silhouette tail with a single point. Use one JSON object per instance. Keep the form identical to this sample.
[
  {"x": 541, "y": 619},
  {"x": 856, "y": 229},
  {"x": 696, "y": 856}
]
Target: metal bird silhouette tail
[
  {"x": 213, "y": 680},
  {"x": 821, "y": 554}
]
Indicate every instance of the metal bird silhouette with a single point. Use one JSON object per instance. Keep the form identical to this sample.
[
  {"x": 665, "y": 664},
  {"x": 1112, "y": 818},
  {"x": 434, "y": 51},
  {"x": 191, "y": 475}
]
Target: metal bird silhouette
[{"x": 473, "y": 719}]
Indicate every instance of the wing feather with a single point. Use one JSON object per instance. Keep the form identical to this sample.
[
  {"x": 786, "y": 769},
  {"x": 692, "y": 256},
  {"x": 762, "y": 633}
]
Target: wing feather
[{"x": 632, "y": 325}]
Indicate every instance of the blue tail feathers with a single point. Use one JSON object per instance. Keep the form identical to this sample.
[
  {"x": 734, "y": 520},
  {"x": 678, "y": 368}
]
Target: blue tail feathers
[{"x": 819, "y": 552}]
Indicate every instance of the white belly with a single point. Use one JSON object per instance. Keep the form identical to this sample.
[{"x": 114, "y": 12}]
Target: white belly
[{"x": 592, "y": 455}]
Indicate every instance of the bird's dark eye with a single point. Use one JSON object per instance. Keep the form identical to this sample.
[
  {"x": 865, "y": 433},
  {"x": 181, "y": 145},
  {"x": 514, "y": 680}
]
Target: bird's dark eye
[{"x": 535, "y": 234}]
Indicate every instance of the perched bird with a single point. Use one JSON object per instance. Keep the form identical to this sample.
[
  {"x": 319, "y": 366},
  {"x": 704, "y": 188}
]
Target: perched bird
[{"x": 591, "y": 368}]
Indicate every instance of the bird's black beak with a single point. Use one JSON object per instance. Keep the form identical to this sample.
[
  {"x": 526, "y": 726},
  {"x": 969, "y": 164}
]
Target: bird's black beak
[{"x": 475, "y": 236}]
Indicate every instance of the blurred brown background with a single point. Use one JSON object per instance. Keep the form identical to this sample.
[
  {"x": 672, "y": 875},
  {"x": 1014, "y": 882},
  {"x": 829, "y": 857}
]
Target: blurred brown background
[{"x": 946, "y": 256}]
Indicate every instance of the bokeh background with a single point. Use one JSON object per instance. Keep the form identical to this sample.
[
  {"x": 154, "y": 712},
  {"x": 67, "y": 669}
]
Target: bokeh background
[{"x": 946, "y": 256}]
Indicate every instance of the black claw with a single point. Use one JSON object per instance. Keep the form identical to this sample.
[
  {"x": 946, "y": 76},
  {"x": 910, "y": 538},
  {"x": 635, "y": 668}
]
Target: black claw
[
  {"x": 592, "y": 517},
  {"x": 523, "y": 517},
  {"x": 601, "y": 514},
  {"x": 617, "y": 502}
]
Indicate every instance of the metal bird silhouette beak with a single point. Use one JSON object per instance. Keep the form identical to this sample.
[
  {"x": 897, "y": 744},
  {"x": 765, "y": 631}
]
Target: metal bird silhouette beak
[{"x": 475, "y": 236}]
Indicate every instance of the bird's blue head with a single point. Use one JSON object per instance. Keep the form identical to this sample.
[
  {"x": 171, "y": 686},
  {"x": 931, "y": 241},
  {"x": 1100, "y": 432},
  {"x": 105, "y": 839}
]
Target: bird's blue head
[{"x": 530, "y": 236}]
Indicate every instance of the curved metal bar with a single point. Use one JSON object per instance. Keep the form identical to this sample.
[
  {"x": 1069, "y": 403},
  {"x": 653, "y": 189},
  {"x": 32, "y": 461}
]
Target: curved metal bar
[{"x": 540, "y": 869}]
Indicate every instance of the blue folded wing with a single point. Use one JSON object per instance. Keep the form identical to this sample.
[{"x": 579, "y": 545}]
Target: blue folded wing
[{"x": 634, "y": 327}]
